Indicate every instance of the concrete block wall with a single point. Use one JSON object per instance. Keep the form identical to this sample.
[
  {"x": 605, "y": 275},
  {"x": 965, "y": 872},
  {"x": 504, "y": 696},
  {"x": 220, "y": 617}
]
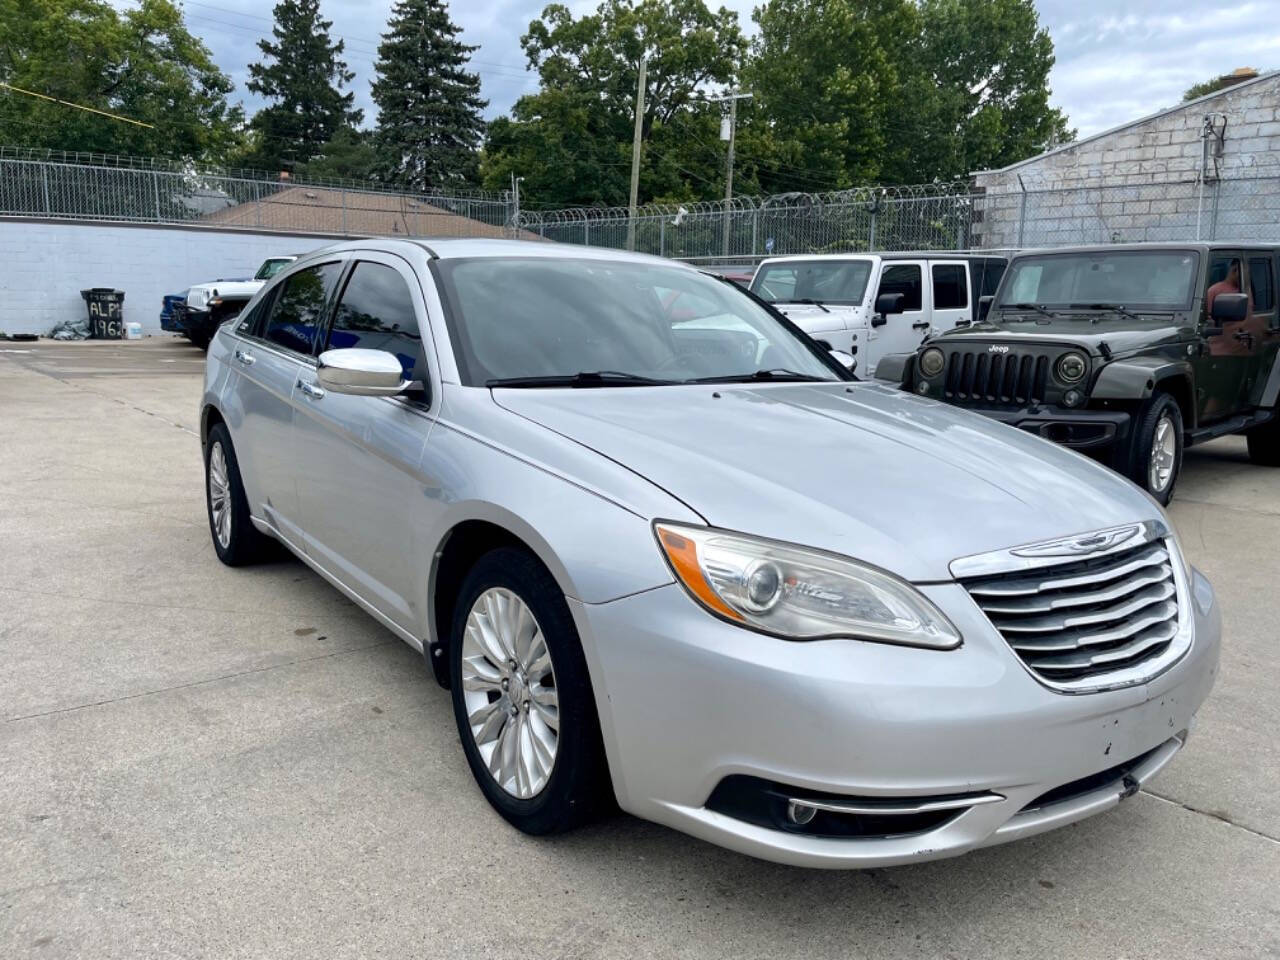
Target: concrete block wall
[
  {"x": 45, "y": 264},
  {"x": 1077, "y": 191}
]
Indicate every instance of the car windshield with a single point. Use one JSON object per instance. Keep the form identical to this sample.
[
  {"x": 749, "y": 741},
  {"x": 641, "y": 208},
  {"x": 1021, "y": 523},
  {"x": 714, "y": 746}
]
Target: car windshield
[
  {"x": 822, "y": 281},
  {"x": 1156, "y": 280},
  {"x": 270, "y": 268},
  {"x": 607, "y": 322}
]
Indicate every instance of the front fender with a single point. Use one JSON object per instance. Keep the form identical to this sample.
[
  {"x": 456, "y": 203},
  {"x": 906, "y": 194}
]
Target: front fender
[
  {"x": 1136, "y": 378},
  {"x": 897, "y": 368}
]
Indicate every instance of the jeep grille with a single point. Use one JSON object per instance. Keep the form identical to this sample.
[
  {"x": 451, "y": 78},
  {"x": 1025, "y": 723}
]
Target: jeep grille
[{"x": 980, "y": 376}]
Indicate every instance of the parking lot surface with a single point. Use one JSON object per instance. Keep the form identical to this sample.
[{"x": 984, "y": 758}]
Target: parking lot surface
[{"x": 206, "y": 762}]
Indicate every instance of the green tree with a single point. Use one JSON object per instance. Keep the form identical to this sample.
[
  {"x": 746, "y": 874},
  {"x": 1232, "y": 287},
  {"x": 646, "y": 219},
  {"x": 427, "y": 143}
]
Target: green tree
[
  {"x": 350, "y": 155},
  {"x": 141, "y": 63},
  {"x": 978, "y": 96},
  {"x": 572, "y": 140},
  {"x": 302, "y": 74},
  {"x": 429, "y": 104}
]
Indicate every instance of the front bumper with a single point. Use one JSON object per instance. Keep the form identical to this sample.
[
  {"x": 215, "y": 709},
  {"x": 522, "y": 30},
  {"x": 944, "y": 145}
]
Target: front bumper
[
  {"x": 189, "y": 320},
  {"x": 1090, "y": 431},
  {"x": 686, "y": 701}
]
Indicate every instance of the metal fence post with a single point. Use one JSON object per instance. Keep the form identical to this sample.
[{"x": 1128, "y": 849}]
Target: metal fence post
[
  {"x": 344, "y": 210},
  {"x": 871, "y": 241},
  {"x": 257, "y": 203},
  {"x": 1022, "y": 212},
  {"x": 755, "y": 228},
  {"x": 662, "y": 236},
  {"x": 44, "y": 170},
  {"x": 155, "y": 184},
  {"x": 1213, "y": 217},
  {"x": 586, "y": 232}
]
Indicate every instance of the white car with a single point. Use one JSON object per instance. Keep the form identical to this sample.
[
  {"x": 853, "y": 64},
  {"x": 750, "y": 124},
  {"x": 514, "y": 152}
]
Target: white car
[
  {"x": 209, "y": 304},
  {"x": 874, "y": 304}
]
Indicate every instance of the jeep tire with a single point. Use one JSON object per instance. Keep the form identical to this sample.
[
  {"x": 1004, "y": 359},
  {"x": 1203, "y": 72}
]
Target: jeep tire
[{"x": 1155, "y": 457}]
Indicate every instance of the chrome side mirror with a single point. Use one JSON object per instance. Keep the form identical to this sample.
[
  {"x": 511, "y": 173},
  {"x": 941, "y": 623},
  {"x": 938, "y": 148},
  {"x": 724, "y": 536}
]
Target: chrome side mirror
[
  {"x": 363, "y": 373},
  {"x": 846, "y": 360}
]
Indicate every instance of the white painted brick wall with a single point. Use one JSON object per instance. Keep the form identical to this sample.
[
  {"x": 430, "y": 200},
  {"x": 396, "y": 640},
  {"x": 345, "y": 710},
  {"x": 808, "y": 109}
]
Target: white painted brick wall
[{"x": 44, "y": 266}]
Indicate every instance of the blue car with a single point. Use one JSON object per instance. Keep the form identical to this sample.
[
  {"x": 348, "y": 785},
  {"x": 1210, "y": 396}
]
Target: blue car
[{"x": 171, "y": 319}]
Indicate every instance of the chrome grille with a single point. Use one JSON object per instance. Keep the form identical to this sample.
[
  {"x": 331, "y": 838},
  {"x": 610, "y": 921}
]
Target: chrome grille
[{"x": 1103, "y": 620}]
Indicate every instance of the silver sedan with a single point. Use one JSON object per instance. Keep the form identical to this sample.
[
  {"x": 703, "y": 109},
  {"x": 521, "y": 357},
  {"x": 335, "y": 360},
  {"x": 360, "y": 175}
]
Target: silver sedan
[{"x": 667, "y": 553}]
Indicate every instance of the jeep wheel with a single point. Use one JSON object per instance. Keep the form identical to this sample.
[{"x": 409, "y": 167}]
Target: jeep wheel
[
  {"x": 1156, "y": 457},
  {"x": 1264, "y": 443}
]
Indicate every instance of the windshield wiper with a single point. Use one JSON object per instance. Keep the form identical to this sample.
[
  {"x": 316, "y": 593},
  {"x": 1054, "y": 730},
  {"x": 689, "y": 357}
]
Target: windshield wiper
[
  {"x": 1029, "y": 306},
  {"x": 777, "y": 374},
  {"x": 809, "y": 302},
  {"x": 1105, "y": 306},
  {"x": 593, "y": 378}
]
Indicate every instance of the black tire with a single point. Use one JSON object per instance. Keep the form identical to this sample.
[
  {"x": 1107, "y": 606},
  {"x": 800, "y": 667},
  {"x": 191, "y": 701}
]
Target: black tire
[
  {"x": 1264, "y": 443},
  {"x": 244, "y": 543},
  {"x": 577, "y": 788},
  {"x": 200, "y": 338},
  {"x": 1161, "y": 407}
]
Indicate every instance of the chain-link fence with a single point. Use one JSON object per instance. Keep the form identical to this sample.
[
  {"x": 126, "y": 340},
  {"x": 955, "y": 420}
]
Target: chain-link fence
[
  {"x": 124, "y": 189},
  {"x": 1243, "y": 207}
]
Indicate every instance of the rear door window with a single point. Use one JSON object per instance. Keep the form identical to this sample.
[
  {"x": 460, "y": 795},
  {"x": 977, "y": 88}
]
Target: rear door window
[
  {"x": 1261, "y": 284},
  {"x": 300, "y": 306},
  {"x": 949, "y": 287},
  {"x": 376, "y": 312}
]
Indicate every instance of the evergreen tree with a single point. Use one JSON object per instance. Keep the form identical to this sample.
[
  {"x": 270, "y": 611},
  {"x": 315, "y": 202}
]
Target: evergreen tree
[
  {"x": 429, "y": 123},
  {"x": 303, "y": 73}
]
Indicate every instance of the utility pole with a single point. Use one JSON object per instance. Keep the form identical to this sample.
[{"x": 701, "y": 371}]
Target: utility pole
[
  {"x": 733, "y": 96},
  {"x": 515, "y": 203},
  {"x": 635, "y": 155}
]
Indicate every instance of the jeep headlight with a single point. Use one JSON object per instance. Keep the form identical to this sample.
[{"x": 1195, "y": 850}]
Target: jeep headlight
[
  {"x": 932, "y": 361},
  {"x": 196, "y": 297},
  {"x": 797, "y": 593},
  {"x": 1071, "y": 367}
]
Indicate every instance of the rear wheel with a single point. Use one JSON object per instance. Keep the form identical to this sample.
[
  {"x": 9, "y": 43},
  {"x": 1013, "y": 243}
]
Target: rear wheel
[
  {"x": 1156, "y": 455},
  {"x": 522, "y": 698},
  {"x": 1264, "y": 442},
  {"x": 235, "y": 539}
]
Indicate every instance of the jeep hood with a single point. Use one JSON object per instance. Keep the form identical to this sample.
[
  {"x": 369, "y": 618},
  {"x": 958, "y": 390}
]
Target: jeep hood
[
  {"x": 859, "y": 469},
  {"x": 231, "y": 289},
  {"x": 1121, "y": 337}
]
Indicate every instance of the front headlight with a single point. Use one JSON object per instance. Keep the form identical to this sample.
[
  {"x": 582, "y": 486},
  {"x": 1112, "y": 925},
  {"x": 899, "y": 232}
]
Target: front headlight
[
  {"x": 1071, "y": 367},
  {"x": 196, "y": 297},
  {"x": 797, "y": 593},
  {"x": 931, "y": 362}
]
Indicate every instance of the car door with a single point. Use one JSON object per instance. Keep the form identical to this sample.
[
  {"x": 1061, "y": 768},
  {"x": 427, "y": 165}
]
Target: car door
[
  {"x": 1259, "y": 328},
  {"x": 951, "y": 293},
  {"x": 358, "y": 457},
  {"x": 900, "y": 332},
  {"x": 273, "y": 348},
  {"x": 1225, "y": 362}
]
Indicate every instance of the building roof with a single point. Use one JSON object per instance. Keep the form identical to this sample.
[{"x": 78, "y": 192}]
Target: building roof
[
  {"x": 1274, "y": 74},
  {"x": 307, "y": 209}
]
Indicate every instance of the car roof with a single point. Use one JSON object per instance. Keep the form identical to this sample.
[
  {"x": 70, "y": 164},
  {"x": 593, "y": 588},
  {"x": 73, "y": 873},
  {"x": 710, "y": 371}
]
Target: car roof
[
  {"x": 891, "y": 255},
  {"x": 456, "y": 248},
  {"x": 1201, "y": 245}
]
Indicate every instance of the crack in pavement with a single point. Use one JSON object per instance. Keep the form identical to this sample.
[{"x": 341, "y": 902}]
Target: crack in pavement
[
  {"x": 198, "y": 683},
  {"x": 1221, "y": 817}
]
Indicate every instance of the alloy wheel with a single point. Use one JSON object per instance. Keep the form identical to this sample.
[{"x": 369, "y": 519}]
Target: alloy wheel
[
  {"x": 220, "y": 496},
  {"x": 1164, "y": 453},
  {"x": 509, "y": 690}
]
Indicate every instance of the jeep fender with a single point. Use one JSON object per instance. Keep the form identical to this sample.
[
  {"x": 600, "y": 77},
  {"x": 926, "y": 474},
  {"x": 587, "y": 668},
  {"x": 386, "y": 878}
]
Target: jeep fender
[
  {"x": 896, "y": 368},
  {"x": 1139, "y": 377}
]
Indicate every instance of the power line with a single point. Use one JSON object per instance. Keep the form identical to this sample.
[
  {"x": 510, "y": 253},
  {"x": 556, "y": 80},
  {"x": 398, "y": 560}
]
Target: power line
[{"x": 77, "y": 106}]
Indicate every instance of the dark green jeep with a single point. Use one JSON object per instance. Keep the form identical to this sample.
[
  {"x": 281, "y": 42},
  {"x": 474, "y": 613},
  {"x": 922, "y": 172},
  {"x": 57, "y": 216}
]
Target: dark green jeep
[{"x": 1127, "y": 353}]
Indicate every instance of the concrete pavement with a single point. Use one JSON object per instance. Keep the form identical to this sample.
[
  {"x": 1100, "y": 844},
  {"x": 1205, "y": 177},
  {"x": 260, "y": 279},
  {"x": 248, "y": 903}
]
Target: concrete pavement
[{"x": 205, "y": 762}]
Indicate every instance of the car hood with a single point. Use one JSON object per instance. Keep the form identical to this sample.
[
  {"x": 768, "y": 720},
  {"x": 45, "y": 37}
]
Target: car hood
[
  {"x": 810, "y": 314},
  {"x": 229, "y": 288},
  {"x": 1120, "y": 336},
  {"x": 863, "y": 470}
]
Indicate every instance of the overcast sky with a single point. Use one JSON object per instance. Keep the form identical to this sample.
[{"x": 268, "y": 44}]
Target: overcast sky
[{"x": 1117, "y": 60}]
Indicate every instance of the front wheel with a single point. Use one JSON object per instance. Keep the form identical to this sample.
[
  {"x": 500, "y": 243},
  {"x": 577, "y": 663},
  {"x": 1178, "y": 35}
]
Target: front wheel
[
  {"x": 1156, "y": 455},
  {"x": 235, "y": 539},
  {"x": 522, "y": 698}
]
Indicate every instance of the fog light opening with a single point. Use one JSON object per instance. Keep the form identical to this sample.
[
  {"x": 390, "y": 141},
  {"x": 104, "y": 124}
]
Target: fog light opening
[{"x": 800, "y": 813}]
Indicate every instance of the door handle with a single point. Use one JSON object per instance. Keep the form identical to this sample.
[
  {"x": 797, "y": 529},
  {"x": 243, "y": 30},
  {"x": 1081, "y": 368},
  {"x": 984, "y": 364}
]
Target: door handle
[
  {"x": 245, "y": 358},
  {"x": 920, "y": 326},
  {"x": 310, "y": 389}
]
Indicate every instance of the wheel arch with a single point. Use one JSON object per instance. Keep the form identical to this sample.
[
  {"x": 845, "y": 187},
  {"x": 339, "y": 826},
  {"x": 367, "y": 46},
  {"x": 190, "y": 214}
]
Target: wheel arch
[
  {"x": 1136, "y": 380},
  {"x": 210, "y": 415}
]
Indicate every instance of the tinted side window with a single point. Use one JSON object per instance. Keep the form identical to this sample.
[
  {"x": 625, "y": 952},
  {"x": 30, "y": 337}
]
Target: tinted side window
[
  {"x": 376, "y": 313},
  {"x": 250, "y": 323},
  {"x": 1261, "y": 284},
  {"x": 903, "y": 278},
  {"x": 949, "y": 287},
  {"x": 299, "y": 307},
  {"x": 992, "y": 271}
]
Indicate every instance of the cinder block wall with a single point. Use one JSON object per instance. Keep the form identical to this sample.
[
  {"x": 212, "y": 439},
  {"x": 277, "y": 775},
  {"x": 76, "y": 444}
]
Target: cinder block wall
[
  {"x": 1139, "y": 181},
  {"x": 45, "y": 264}
]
